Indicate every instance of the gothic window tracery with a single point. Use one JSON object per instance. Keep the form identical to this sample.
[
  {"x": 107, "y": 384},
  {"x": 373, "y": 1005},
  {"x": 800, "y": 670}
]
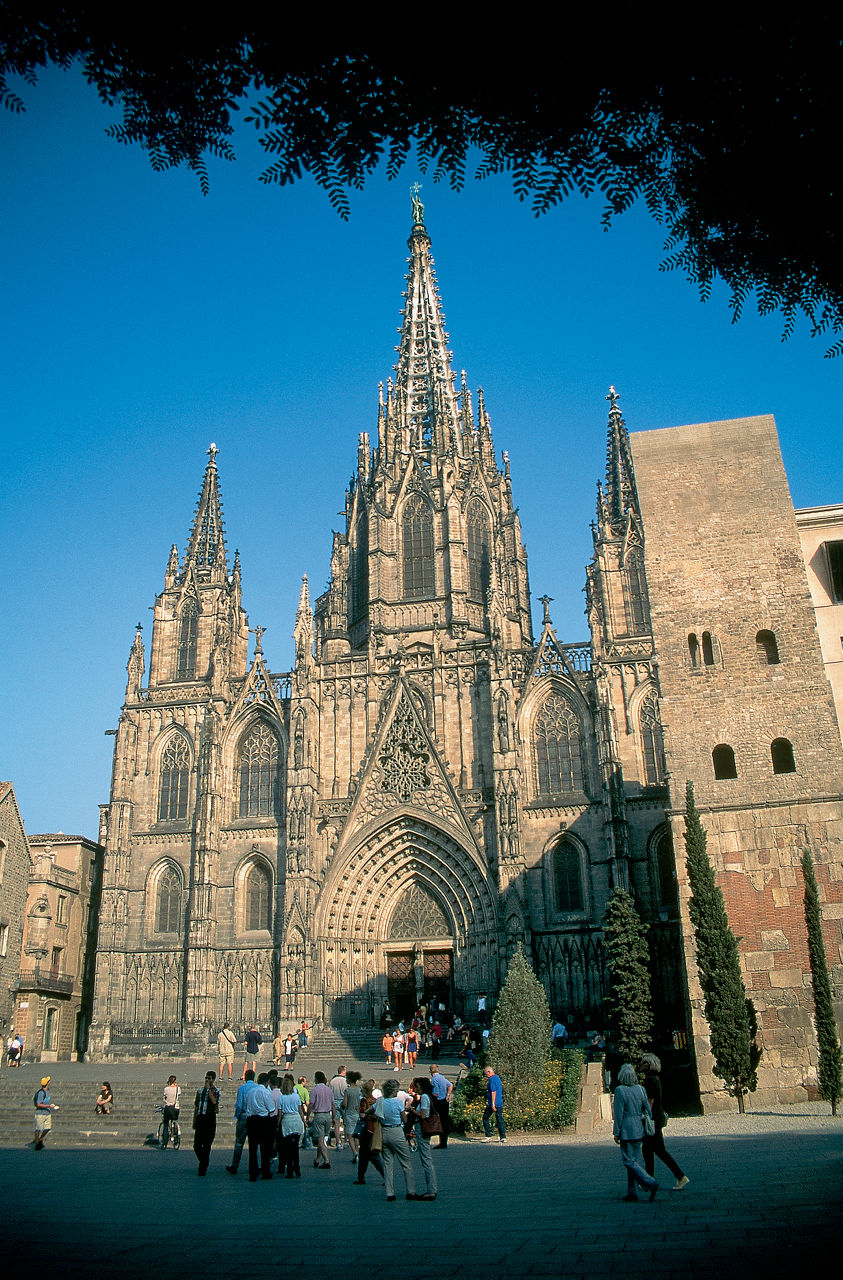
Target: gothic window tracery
[
  {"x": 168, "y": 901},
  {"x": 188, "y": 635},
  {"x": 257, "y": 898},
  {"x": 558, "y": 748},
  {"x": 259, "y": 773},
  {"x": 652, "y": 739},
  {"x": 417, "y": 548},
  {"x": 174, "y": 781},
  {"x": 419, "y": 914},
  {"x": 477, "y": 539},
  {"x": 359, "y": 571}
]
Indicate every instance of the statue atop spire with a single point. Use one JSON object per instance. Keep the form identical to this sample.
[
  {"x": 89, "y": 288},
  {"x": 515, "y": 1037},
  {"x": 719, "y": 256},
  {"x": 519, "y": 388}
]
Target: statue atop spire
[
  {"x": 206, "y": 545},
  {"x": 418, "y": 207}
]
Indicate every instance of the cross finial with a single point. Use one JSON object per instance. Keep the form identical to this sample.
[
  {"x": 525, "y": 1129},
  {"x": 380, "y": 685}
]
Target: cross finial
[
  {"x": 418, "y": 207},
  {"x": 613, "y": 398},
  {"x": 212, "y": 453},
  {"x": 545, "y": 601}
]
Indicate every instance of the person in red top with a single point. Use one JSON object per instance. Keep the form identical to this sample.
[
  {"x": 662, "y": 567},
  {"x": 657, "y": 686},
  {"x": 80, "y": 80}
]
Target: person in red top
[{"x": 387, "y": 1043}]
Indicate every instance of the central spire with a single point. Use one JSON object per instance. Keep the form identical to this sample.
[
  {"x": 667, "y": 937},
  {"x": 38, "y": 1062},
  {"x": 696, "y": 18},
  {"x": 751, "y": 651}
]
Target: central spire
[
  {"x": 206, "y": 545},
  {"x": 425, "y": 403}
]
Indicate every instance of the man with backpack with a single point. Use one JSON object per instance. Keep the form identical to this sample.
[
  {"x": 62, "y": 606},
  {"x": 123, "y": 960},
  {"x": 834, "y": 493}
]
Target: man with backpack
[{"x": 44, "y": 1108}]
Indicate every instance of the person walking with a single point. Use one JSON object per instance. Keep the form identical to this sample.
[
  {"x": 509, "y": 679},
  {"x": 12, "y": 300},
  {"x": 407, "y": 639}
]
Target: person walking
[
  {"x": 321, "y": 1116},
  {"x": 44, "y": 1108},
  {"x": 291, "y": 1109},
  {"x": 226, "y": 1040},
  {"x": 240, "y": 1121},
  {"x": 205, "y": 1107},
  {"x": 494, "y": 1105},
  {"x": 443, "y": 1091},
  {"x": 392, "y": 1116},
  {"x": 631, "y": 1106},
  {"x": 654, "y": 1145}
]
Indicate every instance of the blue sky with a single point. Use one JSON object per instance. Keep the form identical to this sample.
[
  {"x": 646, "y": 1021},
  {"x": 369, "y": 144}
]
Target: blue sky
[{"x": 142, "y": 320}]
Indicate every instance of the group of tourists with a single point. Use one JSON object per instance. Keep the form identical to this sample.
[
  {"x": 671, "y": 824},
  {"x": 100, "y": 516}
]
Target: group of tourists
[{"x": 284, "y": 1045}]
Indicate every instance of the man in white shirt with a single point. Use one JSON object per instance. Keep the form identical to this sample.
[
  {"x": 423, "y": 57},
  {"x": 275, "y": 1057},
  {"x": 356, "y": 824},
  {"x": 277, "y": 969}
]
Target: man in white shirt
[{"x": 261, "y": 1119}]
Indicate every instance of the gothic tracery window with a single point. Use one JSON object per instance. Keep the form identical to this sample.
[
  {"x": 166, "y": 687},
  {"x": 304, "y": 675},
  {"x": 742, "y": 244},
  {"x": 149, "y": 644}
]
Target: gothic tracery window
[
  {"x": 558, "y": 747},
  {"x": 419, "y": 914},
  {"x": 188, "y": 634},
  {"x": 652, "y": 739},
  {"x": 258, "y": 898},
  {"x": 168, "y": 901},
  {"x": 359, "y": 571},
  {"x": 259, "y": 773},
  {"x": 417, "y": 548},
  {"x": 175, "y": 776},
  {"x": 477, "y": 540}
]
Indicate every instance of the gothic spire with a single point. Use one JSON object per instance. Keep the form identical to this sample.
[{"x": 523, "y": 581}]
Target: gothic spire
[
  {"x": 621, "y": 494},
  {"x": 428, "y": 415},
  {"x": 303, "y": 630},
  {"x": 206, "y": 544}
]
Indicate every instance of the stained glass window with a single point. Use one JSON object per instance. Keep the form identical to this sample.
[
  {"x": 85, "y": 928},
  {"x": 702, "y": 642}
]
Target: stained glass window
[
  {"x": 258, "y": 898},
  {"x": 259, "y": 774},
  {"x": 168, "y": 901},
  {"x": 417, "y": 538},
  {"x": 175, "y": 774},
  {"x": 477, "y": 538},
  {"x": 558, "y": 746},
  {"x": 188, "y": 633}
]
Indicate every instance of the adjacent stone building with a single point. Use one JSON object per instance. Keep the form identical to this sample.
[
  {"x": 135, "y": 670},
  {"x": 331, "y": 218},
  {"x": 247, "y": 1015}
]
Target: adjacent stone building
[
  {"x": 431, "y": 784},
  {"x": 56, "y": 983},
  {"x": 821, "y": 536},
  {"x": 14, "y": 879}
]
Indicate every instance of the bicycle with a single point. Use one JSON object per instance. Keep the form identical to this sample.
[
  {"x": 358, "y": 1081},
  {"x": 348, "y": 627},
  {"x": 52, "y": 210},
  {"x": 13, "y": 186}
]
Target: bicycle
[{"x": 174, "y": 1133}]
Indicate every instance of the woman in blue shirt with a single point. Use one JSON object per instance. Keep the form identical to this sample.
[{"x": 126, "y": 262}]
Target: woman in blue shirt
[{"x": 392, "y": 1116}]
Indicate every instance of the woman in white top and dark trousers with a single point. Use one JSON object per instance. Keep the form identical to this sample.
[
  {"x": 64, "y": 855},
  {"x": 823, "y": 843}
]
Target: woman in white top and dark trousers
[{"x": 631, "y": 1106}]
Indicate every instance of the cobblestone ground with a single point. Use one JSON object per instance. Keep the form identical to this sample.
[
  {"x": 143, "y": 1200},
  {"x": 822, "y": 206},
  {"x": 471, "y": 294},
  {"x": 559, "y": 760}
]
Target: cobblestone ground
[{"x": 765, "y": 1200}]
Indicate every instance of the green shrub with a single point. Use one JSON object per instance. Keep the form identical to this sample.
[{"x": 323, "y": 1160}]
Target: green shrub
[{"x": 552, "y": 1104}]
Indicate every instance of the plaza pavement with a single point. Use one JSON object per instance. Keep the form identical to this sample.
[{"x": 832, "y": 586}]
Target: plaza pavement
[{"x": 765, "y": 1200}]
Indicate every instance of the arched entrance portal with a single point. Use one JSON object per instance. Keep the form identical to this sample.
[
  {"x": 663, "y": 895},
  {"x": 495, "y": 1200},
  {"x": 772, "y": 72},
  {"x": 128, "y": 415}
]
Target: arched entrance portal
[
  {"x": 419, "y": 952},
  {"x": 406, "y": 911}
]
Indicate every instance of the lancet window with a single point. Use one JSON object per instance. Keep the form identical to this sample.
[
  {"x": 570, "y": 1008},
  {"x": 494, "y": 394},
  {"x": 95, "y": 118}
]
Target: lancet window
[
  {"x": 652, "y": 739},
  {"x": 175, "y": 780},
  {"x": 188, "y": 634},
  {"x": 168, "y": 901},
  {"x": 417, "y": 548},
  {"x": 259, "y": 773},
  {"x": 258, "y": 898},
  {"x": 635, "y": 594},
  {"x": 359, "y": 571},
  {"x": 567, "y": 877},
  {"x": 558, "y": 748},
  {"x": 477, "y": 539}
]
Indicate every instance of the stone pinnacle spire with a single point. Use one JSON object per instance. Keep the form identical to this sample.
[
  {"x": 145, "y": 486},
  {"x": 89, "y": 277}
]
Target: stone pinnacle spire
[
  {"x": 621, "y": 493},
  {"x": 206, "y": 544},
  {"x": 427, "y": 413}
]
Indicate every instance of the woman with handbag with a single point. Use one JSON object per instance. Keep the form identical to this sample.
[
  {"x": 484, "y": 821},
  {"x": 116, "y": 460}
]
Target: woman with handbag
[
  {"x": 633, "y": 1118},
  {"x": 654, "y": 1145},
  {"x": 427, "y": 1122},
  {"x": 368, "y": 1124}
]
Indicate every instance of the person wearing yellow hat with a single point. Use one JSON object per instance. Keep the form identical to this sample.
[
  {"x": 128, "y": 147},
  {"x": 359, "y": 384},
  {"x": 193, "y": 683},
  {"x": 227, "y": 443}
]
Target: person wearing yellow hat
[{"x": 44, "y": 1108}]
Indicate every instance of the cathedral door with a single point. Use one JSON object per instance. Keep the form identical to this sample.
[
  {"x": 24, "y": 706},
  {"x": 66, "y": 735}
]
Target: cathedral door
[
  {"x": 439, "y": 977},
  {"x": 401, "y": 983}
]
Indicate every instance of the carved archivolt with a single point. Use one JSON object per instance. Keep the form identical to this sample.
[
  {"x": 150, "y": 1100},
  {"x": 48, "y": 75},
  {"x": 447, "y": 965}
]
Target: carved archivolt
[{"x": 363, "y": 892}]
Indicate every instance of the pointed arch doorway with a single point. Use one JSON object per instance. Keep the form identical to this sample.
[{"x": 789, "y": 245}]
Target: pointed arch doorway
[{"x": 419, "y": 951}]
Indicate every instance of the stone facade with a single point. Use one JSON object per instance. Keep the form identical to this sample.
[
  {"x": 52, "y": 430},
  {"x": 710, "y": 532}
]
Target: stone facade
[
  {"x": 56, "y": 984},
  {"x": 747, "y": 715},
  {"x": 430, "y": 785},
  {"x": 821, "y": 536},
  {"x": 14, "y": 879}
]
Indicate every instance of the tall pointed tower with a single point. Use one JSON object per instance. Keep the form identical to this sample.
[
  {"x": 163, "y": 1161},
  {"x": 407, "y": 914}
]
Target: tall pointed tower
[{"x": 194, "y": 829}]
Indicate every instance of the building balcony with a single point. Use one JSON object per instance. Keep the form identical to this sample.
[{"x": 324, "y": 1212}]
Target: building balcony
[{"x": 50, "y": 981}]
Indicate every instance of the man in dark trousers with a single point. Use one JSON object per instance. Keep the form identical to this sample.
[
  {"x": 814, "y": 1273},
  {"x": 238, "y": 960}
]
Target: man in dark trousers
[
  {"x": 442, "y": 1093},
  {"x": 205, "y": 1109}
]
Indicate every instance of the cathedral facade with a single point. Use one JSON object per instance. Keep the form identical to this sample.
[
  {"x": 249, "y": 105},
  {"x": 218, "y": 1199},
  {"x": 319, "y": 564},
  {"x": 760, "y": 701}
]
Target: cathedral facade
[{"x": 432, "y": 784}]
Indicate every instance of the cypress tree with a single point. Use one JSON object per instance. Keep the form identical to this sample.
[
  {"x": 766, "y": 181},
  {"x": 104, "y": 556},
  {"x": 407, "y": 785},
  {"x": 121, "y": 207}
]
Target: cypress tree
[
  {"x": 830, "y": 1066},
  {"x": 520, "y": 1039},
  {"x": 731, "y": 1016},
  {"x": 628, "y": 960}
]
